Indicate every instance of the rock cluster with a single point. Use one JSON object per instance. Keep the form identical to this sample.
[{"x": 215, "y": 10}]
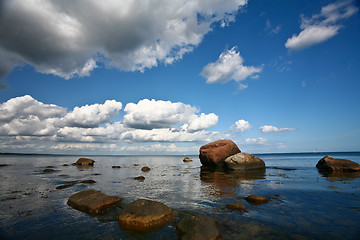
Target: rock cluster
[
  {"x": 214, "y": 154},
  {"x": 225, "y": 153}
]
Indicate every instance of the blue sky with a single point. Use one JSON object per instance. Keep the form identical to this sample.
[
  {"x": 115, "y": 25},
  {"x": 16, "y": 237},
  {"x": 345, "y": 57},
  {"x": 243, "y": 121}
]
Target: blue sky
[{"x": 166, "y": 77}]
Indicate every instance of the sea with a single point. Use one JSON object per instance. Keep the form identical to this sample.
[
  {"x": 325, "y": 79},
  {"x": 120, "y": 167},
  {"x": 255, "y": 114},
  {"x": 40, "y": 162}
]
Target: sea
[{"x": 304, "y": 203}]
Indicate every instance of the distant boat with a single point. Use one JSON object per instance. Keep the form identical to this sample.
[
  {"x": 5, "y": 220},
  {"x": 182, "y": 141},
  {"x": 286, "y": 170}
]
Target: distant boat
[{"x": 314, "y": 150}]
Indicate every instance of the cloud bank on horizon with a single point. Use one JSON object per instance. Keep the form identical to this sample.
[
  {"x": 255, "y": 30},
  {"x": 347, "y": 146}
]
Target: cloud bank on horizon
[{"x": 25, "y": 121}]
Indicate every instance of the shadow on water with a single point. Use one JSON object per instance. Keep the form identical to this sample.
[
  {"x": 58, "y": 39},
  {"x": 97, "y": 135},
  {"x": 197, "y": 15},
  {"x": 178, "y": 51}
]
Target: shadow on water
[{"x": 227, "y": 182}]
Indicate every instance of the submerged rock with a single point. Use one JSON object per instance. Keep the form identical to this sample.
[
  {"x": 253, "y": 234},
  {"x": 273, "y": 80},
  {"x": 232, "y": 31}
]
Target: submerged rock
[
  {"x": 116, "y": 166},
  {"x": 330, "y": 164},
  {"x": 48, "y": 170},
  {"x": 256, "y": 199},
  {"x": 198, "y": 227},
  {"x": 92, "y": 201},
  {"x": 244, "y": 161},
  {"x": 88, "y": 181},
  {"x": 144, "y": 215},
  {"x": 186, "y": 159},
  {"x": 85, "y": 162},
  {"x": 214, "y": 154},
  {"x": 237, "y": 206}
]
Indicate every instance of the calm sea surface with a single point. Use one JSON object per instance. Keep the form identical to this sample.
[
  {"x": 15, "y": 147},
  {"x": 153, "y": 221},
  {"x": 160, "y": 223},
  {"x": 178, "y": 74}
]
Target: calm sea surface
[{"x": 304, "y": 204}]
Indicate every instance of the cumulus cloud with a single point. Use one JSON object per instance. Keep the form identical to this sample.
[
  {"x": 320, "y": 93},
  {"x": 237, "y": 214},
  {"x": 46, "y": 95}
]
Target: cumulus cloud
[
  {"x": 68, "y": 39},
  {"x": 241, "y": 126},
  {"x": 268, "y": 129},
  {"x": 151, "y": 114},
  {"x": 92, "y": 115},
  {"x": 229, "y": 66},
  {"x": 322, "y": 26},
  {"x": 26, "y": 123}
]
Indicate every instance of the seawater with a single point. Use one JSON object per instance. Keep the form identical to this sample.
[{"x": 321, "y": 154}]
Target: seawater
[{"x": 304, "y": 204}]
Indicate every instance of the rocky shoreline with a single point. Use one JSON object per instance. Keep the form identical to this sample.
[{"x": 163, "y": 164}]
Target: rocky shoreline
[{"x": 146, "y": 215}]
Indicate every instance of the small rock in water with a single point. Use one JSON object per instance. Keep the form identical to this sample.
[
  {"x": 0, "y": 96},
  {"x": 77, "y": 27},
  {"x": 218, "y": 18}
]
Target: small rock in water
[
  {"x": 48, "y": 170},
  {"x": 92, "y": 201},
  {"x": 256, "y": 199},
  {"x": 198, "y": 227},
  {"x": 140, "y": 178},
  {"x": 145, "y": 169},
  {"x": 237, "y": 206},
  {"x": 330, "y": 164},
  {"x": 186, "y": 159},
  {"x": 85, "y": 162},
  {"x": 116, "y": 167},
  {"x": 144, "y": 215},
  {"x": 88, "y": 181}
]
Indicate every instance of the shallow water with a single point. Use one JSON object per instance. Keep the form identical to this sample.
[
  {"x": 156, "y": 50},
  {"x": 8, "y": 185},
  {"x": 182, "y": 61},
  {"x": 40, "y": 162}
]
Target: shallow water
[{"x": 304, "y": 204}]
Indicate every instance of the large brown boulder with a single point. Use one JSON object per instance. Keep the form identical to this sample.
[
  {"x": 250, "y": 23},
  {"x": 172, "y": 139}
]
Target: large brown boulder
[
  {"x": 214, "y": 154},
  {"x": 330, "y": 164},
  {"x": 85, "y": 162},
  {"x": 198, "y": 228},
  {"x": 244, "y": 161},
  {"x": 144, "y": 215},
  {"x": 92, "y": 201}
]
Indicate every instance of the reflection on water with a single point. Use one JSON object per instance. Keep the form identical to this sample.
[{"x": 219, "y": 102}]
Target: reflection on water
[
  {"x": 227, "y": 181},
  {"x": 304, "y": 204},
  {"x": 339, "y": 176}
]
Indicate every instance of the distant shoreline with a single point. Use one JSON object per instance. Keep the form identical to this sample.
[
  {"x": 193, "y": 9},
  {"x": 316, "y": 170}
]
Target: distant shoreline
[{"x": 120, "y": 155}]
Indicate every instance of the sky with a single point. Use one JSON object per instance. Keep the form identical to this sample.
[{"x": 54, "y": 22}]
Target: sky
[{"x": 166, "y": 77}]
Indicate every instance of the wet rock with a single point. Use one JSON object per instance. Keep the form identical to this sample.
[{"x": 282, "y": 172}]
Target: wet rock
[
  {"x": 116, "y": 167},
  {"x": 198, "y": 227},
  {"x": 186, "y": 159},
  {"x": 48, "y": 170},
  {"x": 330, "y": 164},
  {"x": 144, "y": 215},
  {"x": 85, "y": 162},
  {"x": 237, "y": 206},
  {"x": 140, "y": 178},
  {"x": 66, "y": 165},
  {"x": 214, "y": 154},
  {"x": 88, "y": 181},
  {"x": 244, "y": 161},
  {"x": 65, "y": 186},
  {"x": 92, "y": 201},
  {"x": 145, "y": 169},
  {"x": 3, "y": 165},
  {"x": 256, "y": 199}
]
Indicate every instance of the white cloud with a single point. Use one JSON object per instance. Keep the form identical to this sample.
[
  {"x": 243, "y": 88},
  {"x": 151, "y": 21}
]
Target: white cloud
[
  {"x": 92, "y": 115},
  {"x": 26, "y": 123},
  {"x": 241, "y": 126},
  {"x": 256, "y": 141},
  {"x": 150, "y": 114},
  {"x": 67, "y": 39},
  {"x": 229, "y": 66},
  {"x": 268, "y": 129},
  {"x": 323, "y": 26}
]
